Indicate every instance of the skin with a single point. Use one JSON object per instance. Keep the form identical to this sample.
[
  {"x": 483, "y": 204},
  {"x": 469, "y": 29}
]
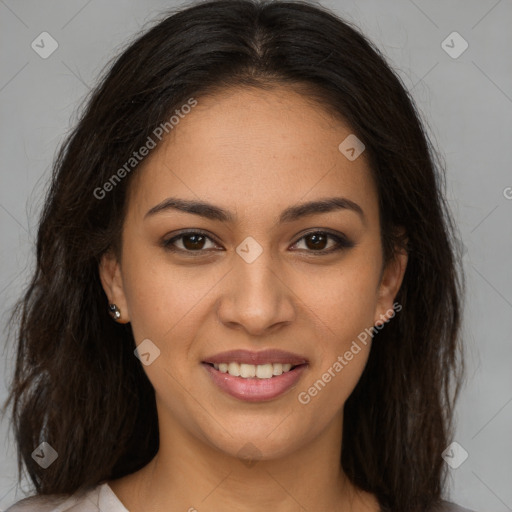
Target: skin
[{"x": 253, "y": 153}]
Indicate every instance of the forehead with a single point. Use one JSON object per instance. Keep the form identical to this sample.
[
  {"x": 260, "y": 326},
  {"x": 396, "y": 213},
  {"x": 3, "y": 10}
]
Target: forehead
[{"x": 252, "y": 149}]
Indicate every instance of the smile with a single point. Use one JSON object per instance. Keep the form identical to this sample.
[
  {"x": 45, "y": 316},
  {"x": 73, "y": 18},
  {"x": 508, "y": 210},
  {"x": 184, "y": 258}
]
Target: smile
[{"x": 255, "y": 376}]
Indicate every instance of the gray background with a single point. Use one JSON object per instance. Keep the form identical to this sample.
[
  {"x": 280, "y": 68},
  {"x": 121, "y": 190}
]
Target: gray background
[{"x": 466, "y": 103}]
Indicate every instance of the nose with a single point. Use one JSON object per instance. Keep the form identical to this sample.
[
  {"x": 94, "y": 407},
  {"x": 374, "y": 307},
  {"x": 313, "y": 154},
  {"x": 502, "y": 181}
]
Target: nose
[{"x": 255, "y": 297}]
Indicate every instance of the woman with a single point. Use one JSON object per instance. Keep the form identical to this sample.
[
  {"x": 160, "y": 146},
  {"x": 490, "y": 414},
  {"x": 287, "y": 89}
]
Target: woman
[{"x": 247, "y": 293}]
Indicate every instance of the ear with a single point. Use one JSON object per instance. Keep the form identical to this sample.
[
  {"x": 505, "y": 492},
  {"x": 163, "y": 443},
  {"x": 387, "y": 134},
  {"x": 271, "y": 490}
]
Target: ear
[
  {"x": 391, "y": 280},
  {"x": 112, "y": 282}
]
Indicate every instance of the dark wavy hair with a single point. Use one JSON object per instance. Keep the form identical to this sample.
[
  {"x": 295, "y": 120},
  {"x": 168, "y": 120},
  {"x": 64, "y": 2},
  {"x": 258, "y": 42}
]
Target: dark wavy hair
[{"x": 77, "y": 384}]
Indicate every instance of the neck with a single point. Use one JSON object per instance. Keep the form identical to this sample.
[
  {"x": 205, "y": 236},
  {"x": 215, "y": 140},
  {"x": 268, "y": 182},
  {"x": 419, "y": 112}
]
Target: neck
[{"x": 189, "y": 474}]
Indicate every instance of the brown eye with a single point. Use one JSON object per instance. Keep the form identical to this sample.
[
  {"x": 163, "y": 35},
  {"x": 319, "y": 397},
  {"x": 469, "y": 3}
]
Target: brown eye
[
  {"x": 318, "y": 241},
  {"x": 193, "y": 242},
  {"x": 189, "y": 242},
  {"x": 315, "y": 242}
]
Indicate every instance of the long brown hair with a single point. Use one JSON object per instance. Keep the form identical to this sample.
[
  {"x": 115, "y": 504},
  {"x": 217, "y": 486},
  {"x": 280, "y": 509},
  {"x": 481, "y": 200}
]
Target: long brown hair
[{"x": 77, "y": 384}]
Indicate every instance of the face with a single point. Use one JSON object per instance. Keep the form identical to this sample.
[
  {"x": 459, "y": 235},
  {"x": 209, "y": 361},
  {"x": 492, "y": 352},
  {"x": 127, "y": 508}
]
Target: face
[{"x": 261, "y": 273}]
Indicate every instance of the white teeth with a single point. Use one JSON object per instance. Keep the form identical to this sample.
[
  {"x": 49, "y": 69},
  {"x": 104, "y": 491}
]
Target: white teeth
[
  {"x": 277, "y": 369},
  {"x": 234, "y": 369},
  {"x": 247, "y": 371},
  {"x": 264, "y": 371}
]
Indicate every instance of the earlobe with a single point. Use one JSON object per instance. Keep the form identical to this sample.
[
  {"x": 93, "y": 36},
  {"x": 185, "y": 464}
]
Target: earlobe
[{"x": 112, "y": 283}]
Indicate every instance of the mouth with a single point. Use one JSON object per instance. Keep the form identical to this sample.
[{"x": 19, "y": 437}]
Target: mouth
[{"x": 255, "y": 376}]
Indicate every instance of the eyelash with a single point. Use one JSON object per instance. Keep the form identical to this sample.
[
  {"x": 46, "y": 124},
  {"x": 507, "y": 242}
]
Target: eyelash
[{"x": 341, "y": 243}]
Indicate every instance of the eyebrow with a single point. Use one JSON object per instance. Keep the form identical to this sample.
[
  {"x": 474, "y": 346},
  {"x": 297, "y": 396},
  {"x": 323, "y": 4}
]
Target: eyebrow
[{"x": 290, "y": 214}]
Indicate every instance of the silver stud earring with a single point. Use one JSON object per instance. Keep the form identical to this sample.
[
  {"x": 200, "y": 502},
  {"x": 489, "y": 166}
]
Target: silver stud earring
[{"x": 114, "y": 311}]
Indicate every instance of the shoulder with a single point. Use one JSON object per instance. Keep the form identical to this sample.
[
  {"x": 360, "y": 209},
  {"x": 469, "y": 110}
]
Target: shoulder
[
  {"x": 83, "y": 502},
  {"x": 445, "y": 506}
]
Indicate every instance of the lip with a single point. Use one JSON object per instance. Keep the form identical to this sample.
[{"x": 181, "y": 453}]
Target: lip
[
  {"x": 254, "y": 389},
  {"x": 262, "y": 357}
]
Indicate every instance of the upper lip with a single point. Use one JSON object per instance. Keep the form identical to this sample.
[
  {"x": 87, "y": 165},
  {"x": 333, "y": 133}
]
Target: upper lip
[{"x": 262, "y": 357}]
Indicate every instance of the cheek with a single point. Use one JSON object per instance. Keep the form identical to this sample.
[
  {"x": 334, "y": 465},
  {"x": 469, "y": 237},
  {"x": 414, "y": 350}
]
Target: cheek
[
  {"x": 341, "y": 305},
  {"x": 164, "y": 300},
  {"x": 342, "y": 346},
  {"x": 341, "y": 301}
]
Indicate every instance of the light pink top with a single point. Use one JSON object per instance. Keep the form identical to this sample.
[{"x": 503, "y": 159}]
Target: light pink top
[
  {"x": 99, "y": 499},
  {"x": 103, "y": 499}
]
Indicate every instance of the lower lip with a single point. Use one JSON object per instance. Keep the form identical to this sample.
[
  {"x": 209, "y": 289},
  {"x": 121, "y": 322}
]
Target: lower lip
[{"x": 254, "y": 389}]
